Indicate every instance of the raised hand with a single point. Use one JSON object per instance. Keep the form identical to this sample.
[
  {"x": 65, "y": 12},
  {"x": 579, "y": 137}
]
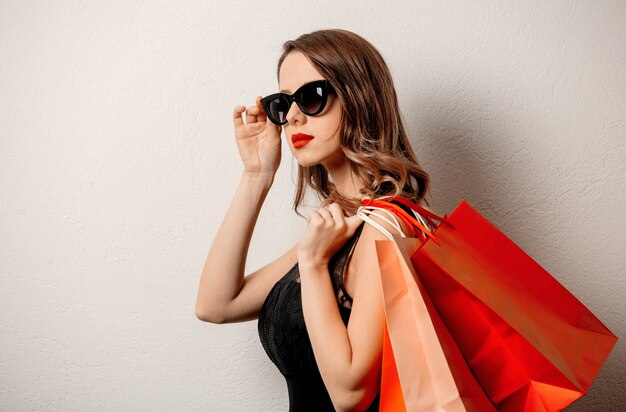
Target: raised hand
[{"x": 258, "y": 140}]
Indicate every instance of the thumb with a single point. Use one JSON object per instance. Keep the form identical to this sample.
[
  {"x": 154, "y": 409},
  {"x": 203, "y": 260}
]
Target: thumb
[
  {"x": 353, "y": 223},
  {"x": 259, "y": 105}
]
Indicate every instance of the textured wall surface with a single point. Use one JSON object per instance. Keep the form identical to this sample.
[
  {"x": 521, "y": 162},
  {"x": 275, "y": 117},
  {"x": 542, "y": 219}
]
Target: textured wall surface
[{"x": 118, "y": 161}]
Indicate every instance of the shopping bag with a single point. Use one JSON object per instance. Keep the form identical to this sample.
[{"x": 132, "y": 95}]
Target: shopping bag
[
  {"x": 531, "y": 344},
  {"x": 391, "y": 398},
  {"x": 423, "y": 369}
]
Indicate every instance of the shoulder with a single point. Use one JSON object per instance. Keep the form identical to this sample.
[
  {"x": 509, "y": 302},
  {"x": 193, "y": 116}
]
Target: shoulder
[
  {"x": 371, "y": 232},
  {"x": 365, "y": 250},
  {"x": 383, "y": 220},
  {"x": 363, "y": 268}
]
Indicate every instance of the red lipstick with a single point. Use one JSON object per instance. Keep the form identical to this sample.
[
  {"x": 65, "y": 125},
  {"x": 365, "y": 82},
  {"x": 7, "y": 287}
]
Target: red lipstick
[{"x": 300, "y": 139}]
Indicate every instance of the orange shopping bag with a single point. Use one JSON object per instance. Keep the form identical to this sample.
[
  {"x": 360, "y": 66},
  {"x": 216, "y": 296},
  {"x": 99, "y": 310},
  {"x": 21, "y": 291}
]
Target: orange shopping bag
[
  {"x": 530, "y": 343},
  {"x": 423, "y": 369}
]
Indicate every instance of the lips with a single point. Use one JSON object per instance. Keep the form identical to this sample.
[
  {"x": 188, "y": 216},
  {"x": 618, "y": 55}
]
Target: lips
[{"x": 300, "y": 139}]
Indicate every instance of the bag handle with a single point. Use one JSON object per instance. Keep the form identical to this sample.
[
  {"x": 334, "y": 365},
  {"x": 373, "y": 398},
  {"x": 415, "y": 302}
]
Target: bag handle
[
  {"x": 430, "y": 216},
  {"x": 413, "y": 206},
  {"x": 419, "y": 229},
  {"x": 410, "y": 221},
  {"x": 363, "y": 213}
]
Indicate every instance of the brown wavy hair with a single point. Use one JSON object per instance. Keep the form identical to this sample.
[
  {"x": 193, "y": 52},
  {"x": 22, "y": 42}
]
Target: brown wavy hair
[{"x": 372, "y": 133}]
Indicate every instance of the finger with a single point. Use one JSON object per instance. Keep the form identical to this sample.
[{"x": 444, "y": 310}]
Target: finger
[
  {"x": 353, "y": 223},
  {"x": 261, "y": 116},
  {"x": 237, "y": 119},
  {"x": 251, "y": 112},
  {"x": 337, "y": 213},
  {"x": 325, "y": 214},
  {"x": 314, "y": 217}
]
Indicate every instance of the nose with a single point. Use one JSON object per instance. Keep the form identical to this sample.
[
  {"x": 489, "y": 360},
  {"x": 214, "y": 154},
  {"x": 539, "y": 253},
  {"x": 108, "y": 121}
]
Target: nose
[{"x": 295, "y": 115}]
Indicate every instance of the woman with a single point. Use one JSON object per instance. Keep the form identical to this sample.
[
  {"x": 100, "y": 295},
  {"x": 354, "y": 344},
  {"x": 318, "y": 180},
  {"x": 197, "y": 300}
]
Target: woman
[{"x": 320, "y": 310}]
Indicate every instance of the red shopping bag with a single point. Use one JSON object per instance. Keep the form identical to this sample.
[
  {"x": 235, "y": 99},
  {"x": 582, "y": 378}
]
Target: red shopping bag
[
  {"x": 530, "y": 343},
  {"x": 423, "y": 369}
]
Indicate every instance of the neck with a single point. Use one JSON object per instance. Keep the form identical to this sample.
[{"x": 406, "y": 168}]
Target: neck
[{"x": 345, "y": 181}]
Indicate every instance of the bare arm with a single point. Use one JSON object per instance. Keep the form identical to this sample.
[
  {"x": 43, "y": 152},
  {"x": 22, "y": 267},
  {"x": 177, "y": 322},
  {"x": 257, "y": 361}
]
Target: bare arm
[
  {"x": 224, "y": 293},
  {"x": 349, "y": 358},
  {"x": 221, "y": 293}
]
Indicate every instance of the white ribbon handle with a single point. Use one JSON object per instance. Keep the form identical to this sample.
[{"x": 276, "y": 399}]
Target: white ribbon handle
[{"x": 363, "y": 213}]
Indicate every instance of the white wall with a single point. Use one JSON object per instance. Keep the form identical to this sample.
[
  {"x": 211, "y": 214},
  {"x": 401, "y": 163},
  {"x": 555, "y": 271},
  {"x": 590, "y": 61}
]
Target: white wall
[{"x": 118, "y": 161}]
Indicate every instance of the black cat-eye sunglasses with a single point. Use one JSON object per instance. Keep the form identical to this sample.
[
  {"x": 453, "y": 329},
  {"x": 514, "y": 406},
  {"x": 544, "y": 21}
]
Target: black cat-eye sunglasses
[{"x": 311, "y": 99}]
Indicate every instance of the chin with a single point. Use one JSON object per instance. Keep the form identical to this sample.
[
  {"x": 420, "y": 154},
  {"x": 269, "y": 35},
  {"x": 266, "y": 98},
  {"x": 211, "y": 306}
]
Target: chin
[
  {"x": 305, "y": 163},
  {"x": 306, "y": 160}
]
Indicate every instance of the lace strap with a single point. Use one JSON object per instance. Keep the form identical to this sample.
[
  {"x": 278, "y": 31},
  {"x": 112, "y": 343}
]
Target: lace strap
[{"x": 340, "y": 269}]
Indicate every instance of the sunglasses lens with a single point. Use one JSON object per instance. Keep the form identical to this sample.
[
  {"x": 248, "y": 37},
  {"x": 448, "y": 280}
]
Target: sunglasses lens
[
  {"x": 277, "y": 109},
  {"x": 312, "y": 98}
]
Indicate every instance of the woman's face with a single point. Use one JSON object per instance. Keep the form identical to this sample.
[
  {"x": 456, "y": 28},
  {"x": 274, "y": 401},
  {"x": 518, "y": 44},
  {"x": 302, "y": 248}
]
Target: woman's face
[{"x": 296, "y": 71}]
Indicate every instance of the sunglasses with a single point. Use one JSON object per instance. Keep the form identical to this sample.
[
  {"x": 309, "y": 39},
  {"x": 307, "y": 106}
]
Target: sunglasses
[{"x": 310, "y": 98}]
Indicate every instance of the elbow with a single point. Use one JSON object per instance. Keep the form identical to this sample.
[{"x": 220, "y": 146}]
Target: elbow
[
  {"x": 354, "y": 401},
  {"x": 210, "y": 316}
]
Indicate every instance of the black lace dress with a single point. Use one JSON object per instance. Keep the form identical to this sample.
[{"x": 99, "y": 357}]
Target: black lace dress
[{"x": 285, "y": 339}]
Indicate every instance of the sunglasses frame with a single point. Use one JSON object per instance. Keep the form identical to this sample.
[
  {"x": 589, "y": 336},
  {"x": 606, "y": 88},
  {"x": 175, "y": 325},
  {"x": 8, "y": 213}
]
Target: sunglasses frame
[{"x": 327, "y": 88}]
